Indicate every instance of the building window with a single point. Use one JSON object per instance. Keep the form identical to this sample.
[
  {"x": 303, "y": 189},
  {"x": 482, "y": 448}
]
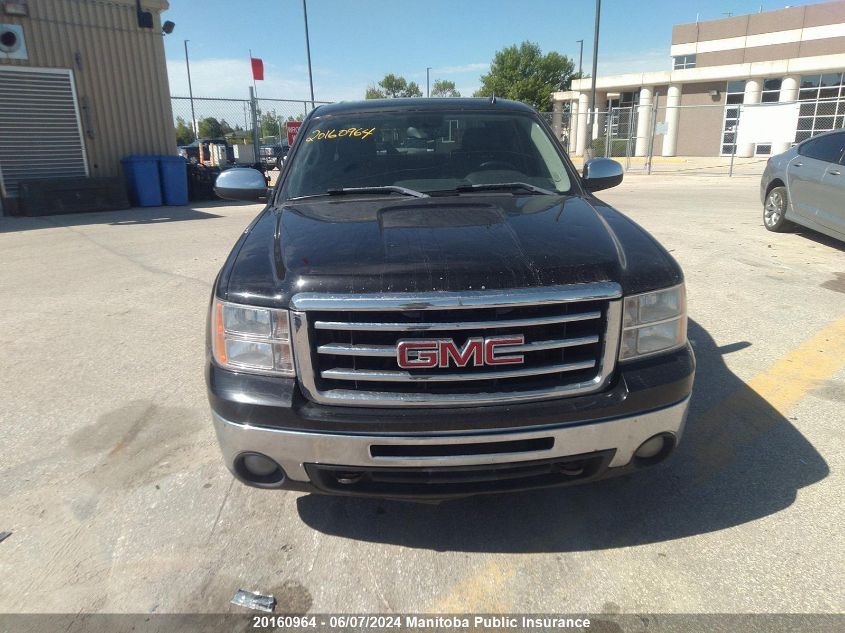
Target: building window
[
  {"x": 822, "y": 105},
  {"x": 734, "y": 96},
  {"x": 684, "y": 61},
  {"x": 771, "y": 91}
]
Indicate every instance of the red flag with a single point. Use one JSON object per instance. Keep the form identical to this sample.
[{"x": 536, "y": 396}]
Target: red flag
[{"x": 257, "y": 69}]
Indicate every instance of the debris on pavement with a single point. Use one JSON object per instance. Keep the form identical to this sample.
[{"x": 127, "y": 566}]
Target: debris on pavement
[
  {"x": 4, "y": 536},
  {"x": 256, "y": 601}
]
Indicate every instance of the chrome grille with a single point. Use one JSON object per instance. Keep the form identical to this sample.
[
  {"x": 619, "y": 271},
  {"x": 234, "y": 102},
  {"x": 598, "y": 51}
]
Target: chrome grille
[{"x": 345, "y": 346}]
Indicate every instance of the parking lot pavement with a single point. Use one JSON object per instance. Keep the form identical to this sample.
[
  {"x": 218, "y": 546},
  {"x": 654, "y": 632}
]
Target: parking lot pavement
[{"x": 117, "y": 499}]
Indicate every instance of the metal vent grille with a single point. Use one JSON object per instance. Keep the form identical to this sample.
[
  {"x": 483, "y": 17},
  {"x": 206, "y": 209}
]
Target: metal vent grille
[
  {"x": 39, "y": 127},
  {"x": 349, "y": 356}
]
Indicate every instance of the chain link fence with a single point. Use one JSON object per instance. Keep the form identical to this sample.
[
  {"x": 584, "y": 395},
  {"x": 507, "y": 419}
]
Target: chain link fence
[
  {"x": 233, "y": 119},
  {"x": 718, "y": 139}
]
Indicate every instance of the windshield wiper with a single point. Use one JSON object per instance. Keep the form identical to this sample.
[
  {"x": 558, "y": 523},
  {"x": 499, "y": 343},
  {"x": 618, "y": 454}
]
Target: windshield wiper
[
  {"x": 340, "y": 191},
  {"x": 507, "y": 186}
]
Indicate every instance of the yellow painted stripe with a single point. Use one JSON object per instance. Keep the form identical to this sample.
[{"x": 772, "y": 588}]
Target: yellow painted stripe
[
  {"x": 744, "y": 414},
  {"x": 815, "y": 360},
  {"x": 482, "y": 592},
  {"x": 765, "y": 400}
]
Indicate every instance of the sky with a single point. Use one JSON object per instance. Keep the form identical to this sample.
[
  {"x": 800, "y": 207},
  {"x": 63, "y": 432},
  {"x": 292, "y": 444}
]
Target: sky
[{"x": 354, "y": 43}]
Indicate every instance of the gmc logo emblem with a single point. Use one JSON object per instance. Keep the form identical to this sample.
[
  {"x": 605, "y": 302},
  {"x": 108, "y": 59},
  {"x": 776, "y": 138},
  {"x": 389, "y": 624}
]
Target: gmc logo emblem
[{"x": 477, "y": 352}]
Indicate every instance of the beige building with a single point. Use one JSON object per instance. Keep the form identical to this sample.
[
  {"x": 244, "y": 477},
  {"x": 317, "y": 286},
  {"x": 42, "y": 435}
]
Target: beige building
[
  {"x": 706, "y": 104},
  {"x": 83, "y": 83}
]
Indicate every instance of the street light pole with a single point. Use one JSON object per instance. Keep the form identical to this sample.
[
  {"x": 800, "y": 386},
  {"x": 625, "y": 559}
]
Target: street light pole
[
  {"x": 427, "y": 83},
  {"x": 580, "y": 58},
  {"x": 191, "y": 92},
  {"x": 308, "y": 50},
  {"x": 592, "y": 116}
]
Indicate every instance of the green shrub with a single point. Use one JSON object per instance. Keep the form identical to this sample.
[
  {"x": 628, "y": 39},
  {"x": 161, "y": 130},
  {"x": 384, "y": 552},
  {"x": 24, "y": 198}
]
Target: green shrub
[{"x": 617, "y": 146}]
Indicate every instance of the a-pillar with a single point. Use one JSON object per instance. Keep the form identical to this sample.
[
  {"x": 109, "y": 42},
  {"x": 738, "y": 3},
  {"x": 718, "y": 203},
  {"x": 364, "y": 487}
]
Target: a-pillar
[
  {"x": 644, "y": 121},
  {"x": 673, "y": 115},
  {"x": 788, "y": 94},
  {"x": 581, "y": 136},
  {"x": 753, "y": 94}
]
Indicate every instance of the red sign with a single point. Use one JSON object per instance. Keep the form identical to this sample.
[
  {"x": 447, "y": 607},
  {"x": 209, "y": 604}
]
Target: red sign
[
  {"x": 257, "y": 69},
  {"x": 293, "y": 130}
]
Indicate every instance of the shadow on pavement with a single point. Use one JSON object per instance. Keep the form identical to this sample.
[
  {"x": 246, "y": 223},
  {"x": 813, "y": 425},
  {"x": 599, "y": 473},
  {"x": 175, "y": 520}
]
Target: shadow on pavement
[
  {"x": 124, "y": 217},
  {"x": 820, "y": 238},
  {"x": 739, "y": 460}
]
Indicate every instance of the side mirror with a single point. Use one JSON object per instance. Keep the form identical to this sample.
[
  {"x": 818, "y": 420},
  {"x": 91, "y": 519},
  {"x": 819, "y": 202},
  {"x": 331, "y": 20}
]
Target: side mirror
[
  {"x": 241, "y": 183},
  {"x": 602, "y": 173}
]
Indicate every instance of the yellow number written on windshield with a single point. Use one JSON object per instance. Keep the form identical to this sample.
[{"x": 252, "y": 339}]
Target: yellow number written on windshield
[{"x": 349, "y": 132}]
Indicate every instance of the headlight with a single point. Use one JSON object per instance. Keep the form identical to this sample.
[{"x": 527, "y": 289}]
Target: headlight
[
  {"x": 653, "y": 322},
  {"x": 254, "y": 340}
]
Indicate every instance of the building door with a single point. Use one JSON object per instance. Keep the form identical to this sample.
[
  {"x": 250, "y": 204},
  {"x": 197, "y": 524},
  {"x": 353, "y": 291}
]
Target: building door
[
  {"x": 735, "y": 94},
  {"x": 40, "y": 133}
]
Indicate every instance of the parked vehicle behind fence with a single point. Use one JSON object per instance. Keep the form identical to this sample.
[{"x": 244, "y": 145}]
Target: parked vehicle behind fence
[{"x": 272, "y": 155}]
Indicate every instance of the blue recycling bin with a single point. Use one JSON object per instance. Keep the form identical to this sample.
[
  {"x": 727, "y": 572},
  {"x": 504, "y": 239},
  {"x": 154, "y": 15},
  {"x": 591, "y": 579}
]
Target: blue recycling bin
[
  {"x": 143, "y": 180},
  {"x": 173, "y": 173}
]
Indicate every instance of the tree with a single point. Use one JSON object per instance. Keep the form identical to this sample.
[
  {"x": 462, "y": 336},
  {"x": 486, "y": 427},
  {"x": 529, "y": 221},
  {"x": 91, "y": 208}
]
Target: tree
[
  {"x": 373, "y": 93},
  {"x": 523, "y": 73},
  {"x": 269, "y": 124},
  {"x": 392, "y": 87},
  {"x": 184, "y": 133},
  {"x": 209, "y": 127},
  {"x": 444, "y": 88}
]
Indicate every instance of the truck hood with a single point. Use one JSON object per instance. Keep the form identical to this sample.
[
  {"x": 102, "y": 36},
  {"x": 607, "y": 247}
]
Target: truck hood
[{"x": 495, "y": 241}]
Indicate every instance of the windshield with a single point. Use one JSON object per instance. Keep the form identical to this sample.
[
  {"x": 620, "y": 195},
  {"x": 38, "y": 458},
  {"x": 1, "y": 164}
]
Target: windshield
[{"x": 426, "y": 152}]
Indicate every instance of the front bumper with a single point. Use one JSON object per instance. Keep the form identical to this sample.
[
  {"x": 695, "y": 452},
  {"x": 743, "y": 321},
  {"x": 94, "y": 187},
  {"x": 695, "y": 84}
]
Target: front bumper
[
  {"x": 441, "y": 466},
  {"x": 493, "y": 448}
]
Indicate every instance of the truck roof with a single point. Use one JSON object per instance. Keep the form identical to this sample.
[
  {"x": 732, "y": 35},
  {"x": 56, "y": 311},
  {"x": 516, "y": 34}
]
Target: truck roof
[{"x": 417, "y": 103}]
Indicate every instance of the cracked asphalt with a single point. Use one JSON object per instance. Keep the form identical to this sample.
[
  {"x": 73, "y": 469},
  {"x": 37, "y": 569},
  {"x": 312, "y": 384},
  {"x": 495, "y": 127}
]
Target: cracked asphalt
[{"x": 117, "y": 499}]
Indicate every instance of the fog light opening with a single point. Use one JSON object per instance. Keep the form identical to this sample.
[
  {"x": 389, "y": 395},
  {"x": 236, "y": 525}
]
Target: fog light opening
[
  {"x": 349, "y": 479},
  {"x": 571, "y": 469},
  {"x": 655, "y": 449},
  {"x": 259, "y": 469}
]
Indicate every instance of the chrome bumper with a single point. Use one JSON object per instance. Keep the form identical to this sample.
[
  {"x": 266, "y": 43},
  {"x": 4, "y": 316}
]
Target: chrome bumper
[{"x": 292, "y": 449}]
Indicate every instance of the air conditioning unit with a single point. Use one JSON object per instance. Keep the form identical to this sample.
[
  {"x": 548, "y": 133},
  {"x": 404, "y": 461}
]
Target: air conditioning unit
[{"x": 12, "y": 42}]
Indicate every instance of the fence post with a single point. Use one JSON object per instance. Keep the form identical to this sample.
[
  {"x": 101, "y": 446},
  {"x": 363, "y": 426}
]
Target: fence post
[
  {"x": 608, "y": 122},
  {"x": 736, "y": 140},
  {"x": 630, "y": 136},
  {"x": 253, "y": 106},
  {"x": 653, "y": 132}
]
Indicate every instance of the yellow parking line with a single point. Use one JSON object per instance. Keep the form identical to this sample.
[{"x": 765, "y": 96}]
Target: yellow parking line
[
  {"x": 482, "y": 592},
  {"x": 752, "y": 409},
  {"x": 816, "y": 359},
  {"x": 762, "y": 403}
]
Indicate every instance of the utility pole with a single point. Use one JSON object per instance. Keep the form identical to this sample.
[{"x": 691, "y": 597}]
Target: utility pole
[
  {"x": 253, "y": 106},
  {"x": 592, "y": 117},
  {"x": 253, "y": 74},
  {"x": 580, "y": 57},
  {"x": 427, "y": 84},
  {"x": 191, "y": 93},
  {"x": 308, "y": 50}
]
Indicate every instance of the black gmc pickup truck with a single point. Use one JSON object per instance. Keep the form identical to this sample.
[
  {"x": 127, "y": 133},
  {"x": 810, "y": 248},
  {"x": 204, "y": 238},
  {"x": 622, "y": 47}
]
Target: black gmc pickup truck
[{"x": 465, "y": 319}]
